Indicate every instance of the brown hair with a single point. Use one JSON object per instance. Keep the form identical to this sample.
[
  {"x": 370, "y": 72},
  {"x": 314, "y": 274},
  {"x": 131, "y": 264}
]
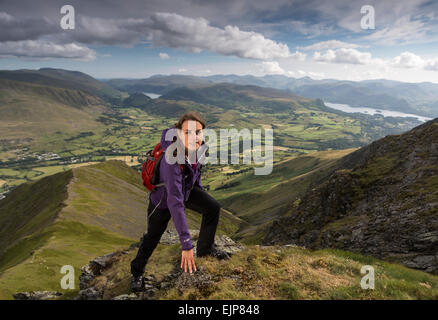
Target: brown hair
[{"x": 189, "y": 116}]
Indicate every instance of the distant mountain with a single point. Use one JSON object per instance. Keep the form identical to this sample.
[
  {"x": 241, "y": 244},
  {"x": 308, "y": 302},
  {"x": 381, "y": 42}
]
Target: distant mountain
[
  {"x": 136, "y": 100},
  {"x": 381, "y": 201},
  {"x": 417, "y": 98},
  {"x": 158, "y": 84},
  {"x": 231, "y": 96},
  {"x": 66, "y": 79}
]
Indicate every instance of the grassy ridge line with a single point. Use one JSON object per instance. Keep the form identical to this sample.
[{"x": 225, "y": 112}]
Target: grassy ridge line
[
  {"x": 63, "y": 79},
  {"x": 69, "y": 96},
  {"x": 62, "y": 243},
  {"x": 103, "y": 209},
  {"x": 31, "y": 207},
  {"x": 34, "y": 261}
]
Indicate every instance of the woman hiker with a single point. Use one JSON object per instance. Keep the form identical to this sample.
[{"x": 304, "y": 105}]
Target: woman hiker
[{"x": 171, "y": 199}]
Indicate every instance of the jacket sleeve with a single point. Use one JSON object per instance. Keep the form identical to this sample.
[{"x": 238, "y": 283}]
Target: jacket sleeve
[{"x": 172, "y": 177}]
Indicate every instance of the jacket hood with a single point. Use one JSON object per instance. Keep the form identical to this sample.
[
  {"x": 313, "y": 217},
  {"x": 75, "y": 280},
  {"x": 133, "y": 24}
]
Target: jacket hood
[{"x": 165, "y": 143}]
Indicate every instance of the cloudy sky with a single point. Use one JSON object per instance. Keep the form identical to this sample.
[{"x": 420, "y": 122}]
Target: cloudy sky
[{"x": 295, "y": 38}]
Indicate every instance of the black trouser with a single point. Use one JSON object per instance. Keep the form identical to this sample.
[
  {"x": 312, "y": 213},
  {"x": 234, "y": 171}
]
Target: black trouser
[{"x": 199, "y": 201}]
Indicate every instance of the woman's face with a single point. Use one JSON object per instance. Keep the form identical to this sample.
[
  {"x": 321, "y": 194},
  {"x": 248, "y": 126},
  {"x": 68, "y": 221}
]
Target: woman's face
[{"x": 192, "y": 134}]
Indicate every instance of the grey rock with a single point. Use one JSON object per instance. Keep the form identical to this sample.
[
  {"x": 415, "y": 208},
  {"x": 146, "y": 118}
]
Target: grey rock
[
  {"x": 148, "y": 286},
  {"x": 37, "y": 295},
  {"x": 199, "y": 279},
  {"x": 170, "y": 236},
  {"x": 93, "y": 269},
  {"x": 88, "y": 294},
  {"x": 165, "y": 285},
  {"x": 87, "y": 275},
  {"x": 131, "y": 296},
  {"x": 103, "y": 262},
  {"x": 223, "y": 242},
  {"x": 228, "y": 245}
]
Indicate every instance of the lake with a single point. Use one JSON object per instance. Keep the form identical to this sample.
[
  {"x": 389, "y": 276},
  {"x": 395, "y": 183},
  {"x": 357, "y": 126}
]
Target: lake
[
  {"x": 372, "y": 111},
  {"x": 152, "y": 95}
]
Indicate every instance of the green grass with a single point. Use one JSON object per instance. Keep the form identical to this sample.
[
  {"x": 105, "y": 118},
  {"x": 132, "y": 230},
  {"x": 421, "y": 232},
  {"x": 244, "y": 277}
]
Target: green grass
[
  {"x": 65, "y": 243},
  {"x": 38, "y": 245},
  {"x": 31, "y": 207},
  {"x": 300, "y": 126},
  {"x": 259, "y": 199}
]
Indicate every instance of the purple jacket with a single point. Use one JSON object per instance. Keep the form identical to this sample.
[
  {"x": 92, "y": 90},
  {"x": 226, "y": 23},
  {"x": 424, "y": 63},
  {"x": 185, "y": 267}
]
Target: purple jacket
[{"x": 173, "y": 195}]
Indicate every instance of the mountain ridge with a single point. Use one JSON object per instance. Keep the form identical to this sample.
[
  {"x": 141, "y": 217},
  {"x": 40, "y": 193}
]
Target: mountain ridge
[
  {"x": 418, "y": 98},
  {"x": 381, "y": 201}
]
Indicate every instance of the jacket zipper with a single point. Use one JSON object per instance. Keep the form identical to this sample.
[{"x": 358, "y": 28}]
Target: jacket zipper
[{"x": 194, "y": 180}]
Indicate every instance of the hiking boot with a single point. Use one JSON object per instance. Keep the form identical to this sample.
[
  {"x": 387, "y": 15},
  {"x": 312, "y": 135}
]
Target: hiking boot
[
  {"x": 137, "y": 284},
  {"x": 216, "y": 252}
]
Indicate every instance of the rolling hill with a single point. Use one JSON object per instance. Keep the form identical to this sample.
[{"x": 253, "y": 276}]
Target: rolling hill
[
  {"x": 65, "y": 79},
  {"x": 30, "y": 111},
  {"x": 38, "y": 119},
  {"x": 260, "y": 199},
  {"x": 158, "y": 84}
]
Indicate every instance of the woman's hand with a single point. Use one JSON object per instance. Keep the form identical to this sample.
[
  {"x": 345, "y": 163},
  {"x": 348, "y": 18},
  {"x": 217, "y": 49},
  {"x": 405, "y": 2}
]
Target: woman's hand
[{"x": 187, "y": 260}]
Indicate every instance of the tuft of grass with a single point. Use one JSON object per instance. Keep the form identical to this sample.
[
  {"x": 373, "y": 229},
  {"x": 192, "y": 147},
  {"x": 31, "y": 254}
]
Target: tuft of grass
[{"x": 288, "y": 291}]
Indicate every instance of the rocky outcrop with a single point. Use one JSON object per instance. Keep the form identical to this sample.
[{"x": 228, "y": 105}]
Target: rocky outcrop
[
  {"x": 92, "y": 270},
  {"x": 131, "y": 296},
  {"x": 383, "y": 202},
  {"x": 200, "y": 280},
  {"x": 37, "y": 295},
  {"x": 91, "y": 287}
]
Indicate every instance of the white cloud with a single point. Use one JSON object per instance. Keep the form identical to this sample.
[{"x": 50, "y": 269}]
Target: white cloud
[
  {"x": 410, "y": 60},
  {"x": 309, "y": 29},
  {"x": 298, "y": 56},
  {"x": 301, "y": 73},
  {"x": 163, "y": 55},
  {"x": 354, "y": 57},
  {"x": 403, "y": 31},
  {"x": 195, "y": 35},
  {"x": 182, "y": 70},
  {"x": 407, "y": 60},
  {"x": 172, "y": 30},
  {"x": 343, "y": 55},
  {"x": 39, "y": 49},
  {"x": 4, "y": 16},
  {"x": 431, "y": 65},
  {"x": 271, "y": 67},
  {"x": 330, "y": 44}
]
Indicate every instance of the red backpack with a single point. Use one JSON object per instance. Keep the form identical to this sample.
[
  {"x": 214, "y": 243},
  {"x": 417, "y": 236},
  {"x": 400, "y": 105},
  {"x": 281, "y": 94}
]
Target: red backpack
[{"x": 150, "y": 171}]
